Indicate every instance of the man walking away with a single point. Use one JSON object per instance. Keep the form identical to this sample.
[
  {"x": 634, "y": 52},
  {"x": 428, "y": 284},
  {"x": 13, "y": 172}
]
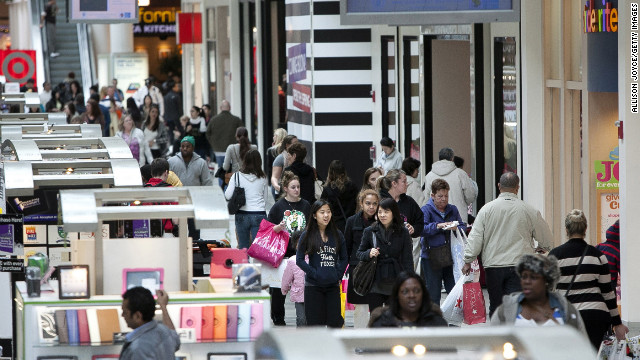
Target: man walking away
[{"x": 504, "y": 231}]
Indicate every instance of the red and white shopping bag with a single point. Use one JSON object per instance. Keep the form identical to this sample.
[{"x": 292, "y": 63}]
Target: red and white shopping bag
[{"x": 473, "y": 300}]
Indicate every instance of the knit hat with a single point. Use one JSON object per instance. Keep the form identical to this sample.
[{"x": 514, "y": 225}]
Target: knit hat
[
  {"x": 190, "y": 139},
  {"x": 613, "y": 232}
]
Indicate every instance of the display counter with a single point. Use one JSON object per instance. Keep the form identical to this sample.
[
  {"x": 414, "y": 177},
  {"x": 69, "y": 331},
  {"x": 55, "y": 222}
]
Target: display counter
[{"x": 38, "y": 332}]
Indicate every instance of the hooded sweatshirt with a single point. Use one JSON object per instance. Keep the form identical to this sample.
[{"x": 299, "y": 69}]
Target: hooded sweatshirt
[
  {"x": 256, "y": 190},
  {"x": 463, "y": 191},
  {"x": 195, "y": 173},
  {"x": 307, "y": 175}
]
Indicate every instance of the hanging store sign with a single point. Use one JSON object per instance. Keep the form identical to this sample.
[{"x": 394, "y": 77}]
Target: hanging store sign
[
  {"x": 599, "y": 20},
  {"x": 189, "y": 28},
  {"x": 18, "y": 65},
  {"x": 297, "y": 63},
  {"x": 302, "y": 97}
]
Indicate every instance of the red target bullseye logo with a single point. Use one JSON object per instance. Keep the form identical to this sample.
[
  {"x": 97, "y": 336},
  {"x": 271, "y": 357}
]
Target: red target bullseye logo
[{"x": 18, "y": 65}]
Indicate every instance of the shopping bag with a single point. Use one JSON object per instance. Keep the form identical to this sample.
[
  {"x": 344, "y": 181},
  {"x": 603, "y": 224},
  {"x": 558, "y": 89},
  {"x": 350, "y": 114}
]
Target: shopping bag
[
  {"x": 618, "y": 350},
  {"x": 458, "y": 241},
  {"x": 269, "y": 246},
  {"x": 344, "y": 286},
  {"x": 633, "y": 343},
  {"x": 473, "y": 300},
  {"x": 452, "y": 305}
]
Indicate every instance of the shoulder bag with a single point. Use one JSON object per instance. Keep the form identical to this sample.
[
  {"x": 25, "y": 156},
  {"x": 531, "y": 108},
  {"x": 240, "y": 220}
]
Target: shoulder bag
[
  {"x": 364, "y": 273},
  {"x": 439, "y": 257},
  {"x": 238, "y": 198},
  {"x": 577, "y": 268}
]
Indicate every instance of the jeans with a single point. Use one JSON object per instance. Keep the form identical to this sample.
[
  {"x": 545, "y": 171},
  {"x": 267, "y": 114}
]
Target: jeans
[
  {"x": 434, "y": 278},
  {"x": 500, "y": 281},
  {"x": 322, "y": 306},
  {"x": 247, "y": 225},
  {"x": 301, "y": 319},
  {"x": 220, "y": 162}
]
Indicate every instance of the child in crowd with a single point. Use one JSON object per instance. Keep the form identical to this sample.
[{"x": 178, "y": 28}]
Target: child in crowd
[{"x": 293, "y": 280}]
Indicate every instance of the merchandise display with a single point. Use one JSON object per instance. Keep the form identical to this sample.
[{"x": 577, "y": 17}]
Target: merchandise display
[
  {"x": 74, "y": 281},
  {"x": 95, "y": 325}
]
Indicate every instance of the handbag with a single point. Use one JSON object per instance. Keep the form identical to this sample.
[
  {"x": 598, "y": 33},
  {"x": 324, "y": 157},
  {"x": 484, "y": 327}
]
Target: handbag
[
  {"x": 269, "y": 246},
  {"x": 364, "y": 274},
  {"x": 439, "y": 257},
  {"x": 238, "y": 198}
]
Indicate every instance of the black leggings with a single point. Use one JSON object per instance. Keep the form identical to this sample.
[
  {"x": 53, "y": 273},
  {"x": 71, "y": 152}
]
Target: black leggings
[
  {"x": 322, "y": 306},
  {"x": 277, "y": 306}
]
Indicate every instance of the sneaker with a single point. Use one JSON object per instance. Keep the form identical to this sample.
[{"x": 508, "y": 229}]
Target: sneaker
[{"x": 55, "y": 54}]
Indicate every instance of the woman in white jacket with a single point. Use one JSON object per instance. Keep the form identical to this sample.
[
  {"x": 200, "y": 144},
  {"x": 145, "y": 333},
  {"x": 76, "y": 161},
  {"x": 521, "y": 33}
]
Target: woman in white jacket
[
  {"x": 134, "y": 138},
  {"x": 390, "y": 158},
  {"x": 255, "y": 184}
]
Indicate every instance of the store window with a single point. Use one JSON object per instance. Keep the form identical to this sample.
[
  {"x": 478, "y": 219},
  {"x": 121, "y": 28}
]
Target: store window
[
  {"x": 388, "y": 96},
  {"x": 506, "y": 101},
  {"x": 218, "y": 56}
]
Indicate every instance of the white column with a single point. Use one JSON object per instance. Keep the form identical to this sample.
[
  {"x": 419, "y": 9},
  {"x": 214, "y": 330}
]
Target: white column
[
  {"x": 121, "y": 38},
  {"x": 629, "y": 162}
]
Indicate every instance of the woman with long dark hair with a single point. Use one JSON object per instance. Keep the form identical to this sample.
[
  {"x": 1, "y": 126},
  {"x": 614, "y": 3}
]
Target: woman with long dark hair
[
  {"x": 254, "y": 181},
  {"x": 409, "y": 305},
  {"x": 198, "y": 130},
  {"x": 134, "y": 111},
  {"x": 93, "y": 115},
  {"x": 324, "y": 244},
  {"x": 235, "y": 152},
  {"x": 155, "y": 133},
  {"x": 341, "y": 193},
  {"x": 389, "y": 240},
  {"x": 368, "y": 203},
  {"x": 290, "y": 213},
  {"x": 146, "y": 106}
]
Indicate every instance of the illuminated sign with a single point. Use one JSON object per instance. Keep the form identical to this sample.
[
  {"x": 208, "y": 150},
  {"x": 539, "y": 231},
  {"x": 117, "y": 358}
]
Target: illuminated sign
[
  {"x": 157, "y": 22},
  {"x": 599, "y": 20}
]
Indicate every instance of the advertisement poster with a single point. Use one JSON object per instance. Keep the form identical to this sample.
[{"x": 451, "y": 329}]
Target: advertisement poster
[
  {"x": 607, "y": 175},
  {"x": 11, "y": 239},
  {"x": 131, "y": 69}
]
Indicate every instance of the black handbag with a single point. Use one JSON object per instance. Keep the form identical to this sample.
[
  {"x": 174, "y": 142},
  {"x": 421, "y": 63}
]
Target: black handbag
[
  {"x": 439, "y": 257},
  {"x": 364, "y": 274},
  {"x": 238, "y": 198}
]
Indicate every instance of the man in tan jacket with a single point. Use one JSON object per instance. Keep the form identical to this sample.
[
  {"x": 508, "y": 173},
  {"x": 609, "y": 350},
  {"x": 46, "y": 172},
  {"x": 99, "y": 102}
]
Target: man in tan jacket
[{"x": 504, "y": 230}]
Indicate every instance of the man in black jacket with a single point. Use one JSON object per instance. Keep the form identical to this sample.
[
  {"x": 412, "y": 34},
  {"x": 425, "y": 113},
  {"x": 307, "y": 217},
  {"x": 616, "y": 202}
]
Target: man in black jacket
[
  {"x": 306, "y": 174},
  {"x": 173, "y": 107}
]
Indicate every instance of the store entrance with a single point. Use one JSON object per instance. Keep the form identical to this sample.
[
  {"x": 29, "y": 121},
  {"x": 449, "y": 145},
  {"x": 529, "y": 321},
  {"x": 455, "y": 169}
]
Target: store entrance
[{"x": 453, "y": 100}]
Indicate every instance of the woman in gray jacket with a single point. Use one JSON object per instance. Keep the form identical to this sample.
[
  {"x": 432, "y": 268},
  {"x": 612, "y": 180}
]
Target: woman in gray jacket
[{"x": 537, "y": 304}]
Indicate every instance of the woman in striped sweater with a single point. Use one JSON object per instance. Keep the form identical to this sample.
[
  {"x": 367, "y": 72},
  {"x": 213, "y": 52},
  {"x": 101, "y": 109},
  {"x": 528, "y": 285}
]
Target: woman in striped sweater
[{"x": 591, "y": 291}]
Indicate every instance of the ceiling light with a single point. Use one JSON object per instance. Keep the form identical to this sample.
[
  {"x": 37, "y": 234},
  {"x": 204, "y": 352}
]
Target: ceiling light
[
  {"x": 419, "y": 350},
  {"x": 399, "y": 350}
]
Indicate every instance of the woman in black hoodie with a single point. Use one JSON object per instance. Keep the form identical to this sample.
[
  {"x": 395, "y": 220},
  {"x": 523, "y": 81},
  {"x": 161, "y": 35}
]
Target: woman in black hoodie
[
  {"x": 324, "y": 244},
  {"x": 389, "y": 240},
  {"x": 341, "y": 193},
  {"x": 306, "y": 174}
]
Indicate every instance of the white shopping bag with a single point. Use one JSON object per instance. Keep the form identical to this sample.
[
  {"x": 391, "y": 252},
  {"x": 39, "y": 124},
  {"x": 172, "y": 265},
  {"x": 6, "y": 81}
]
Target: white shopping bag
[
  {"x": 452, "y": 305},
  {"x": 458, "y": 241}
]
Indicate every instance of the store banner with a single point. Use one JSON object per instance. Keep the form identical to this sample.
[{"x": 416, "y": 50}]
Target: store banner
[
  {"x": 18, "y": 65},
  {"x": 297, "y": 63},
  {"x": 302, "y": 97},
  {"x": 189, "y": 29},
  {"x": 11, "y": 243},
  {"x": 607, "y": 174}
]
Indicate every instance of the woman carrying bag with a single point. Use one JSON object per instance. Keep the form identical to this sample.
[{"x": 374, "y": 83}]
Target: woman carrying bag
[
  {"x": 235, "y": 152},
  {"x": 254, "y": 181},
  {"x": 439, "y": 217},
  {"x": 392, "y": 247},
  {"x": 324, "y": 244},
  {"x": 290, "y": 213}
]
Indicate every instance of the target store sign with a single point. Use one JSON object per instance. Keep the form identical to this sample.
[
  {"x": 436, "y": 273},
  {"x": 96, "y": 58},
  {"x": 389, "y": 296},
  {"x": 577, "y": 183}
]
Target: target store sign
[{"x": 18, "y": 65}]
